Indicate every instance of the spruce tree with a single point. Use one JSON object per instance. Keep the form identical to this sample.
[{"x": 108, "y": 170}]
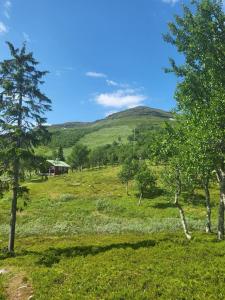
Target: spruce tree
[
  {"x": 60, "y": 155},
  {"x": 22, "y": 108}
]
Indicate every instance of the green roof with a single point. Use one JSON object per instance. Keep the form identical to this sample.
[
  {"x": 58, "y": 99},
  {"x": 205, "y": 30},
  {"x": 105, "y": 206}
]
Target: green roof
[{"x": 58, "y": 163}]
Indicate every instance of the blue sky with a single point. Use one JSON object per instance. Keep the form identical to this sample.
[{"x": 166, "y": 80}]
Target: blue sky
[{"x": 103, "y": 55}]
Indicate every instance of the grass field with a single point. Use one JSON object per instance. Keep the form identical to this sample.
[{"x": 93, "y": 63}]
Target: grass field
[
  {"x": 81, "y": 237},
  {"x": 106, "y": 135}
]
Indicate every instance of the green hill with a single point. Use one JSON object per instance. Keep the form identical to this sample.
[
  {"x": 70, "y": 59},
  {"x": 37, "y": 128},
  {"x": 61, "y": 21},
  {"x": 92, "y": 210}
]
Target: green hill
[
  {"x": 141, "y": 111},
  {"x": 104, "y": 131}
]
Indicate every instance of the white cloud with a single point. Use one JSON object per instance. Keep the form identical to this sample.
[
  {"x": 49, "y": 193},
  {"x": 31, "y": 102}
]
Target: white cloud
[
  {"x": 117, "y": 84},
  {"x": 26, "y": 37},
  {"x": 108, "y": 113},
  {"x": 7, "y": 7},
  {"x": 171, "y": 2},
  {"x": 126, "y": 98},
  {"x": 3, "y": 28},
  {"x": 112, "y": 83},
  {"x": 95, "y": 74}
]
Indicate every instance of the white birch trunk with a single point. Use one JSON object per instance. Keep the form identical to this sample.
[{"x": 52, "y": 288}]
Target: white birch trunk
[
  {"x": 208, "y": 226},
  {"x": 182, "y": 216},
  {"x": 221, "y": 179},
  {"x": 140, "y": 198}
]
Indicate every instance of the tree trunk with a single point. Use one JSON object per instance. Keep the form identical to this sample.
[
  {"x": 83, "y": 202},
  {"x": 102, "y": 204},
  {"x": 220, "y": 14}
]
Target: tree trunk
[
  {"x": 221, "y": 179},
  {"x": 127, "y": 188},
  {"x": 208, "y": 227},
  {"x": 182, "y": 216},
  {"x": 12, "y": 231},
  {"x": 140, "y": 198},
  {"x": 15, "y": 184}
]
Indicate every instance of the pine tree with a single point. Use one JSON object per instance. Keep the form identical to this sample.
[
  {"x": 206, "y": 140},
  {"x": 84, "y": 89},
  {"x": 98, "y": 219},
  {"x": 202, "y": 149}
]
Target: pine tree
[
  {"x": 60, "y": 155},
  {"x": 22, "y": 108}
]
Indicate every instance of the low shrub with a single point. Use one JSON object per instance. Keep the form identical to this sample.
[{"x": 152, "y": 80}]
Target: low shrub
[
  {"x": 107, "y": 206},
  {"x": 66, "y": 197}
]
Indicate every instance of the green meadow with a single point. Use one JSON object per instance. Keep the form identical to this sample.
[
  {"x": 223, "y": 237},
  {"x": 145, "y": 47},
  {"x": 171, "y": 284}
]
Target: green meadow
[{"x": 81, "y": 237}]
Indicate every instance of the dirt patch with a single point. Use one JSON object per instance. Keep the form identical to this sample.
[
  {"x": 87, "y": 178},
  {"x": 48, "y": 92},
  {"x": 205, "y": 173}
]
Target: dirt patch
[{"x": 19, "y": 288}]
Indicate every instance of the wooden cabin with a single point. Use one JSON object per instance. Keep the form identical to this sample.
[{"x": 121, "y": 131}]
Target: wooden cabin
[{"x": 57, "y": 167}]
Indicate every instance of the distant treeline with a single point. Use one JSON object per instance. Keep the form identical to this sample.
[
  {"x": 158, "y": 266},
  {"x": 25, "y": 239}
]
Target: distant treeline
[{"x": 67, "y": 137}]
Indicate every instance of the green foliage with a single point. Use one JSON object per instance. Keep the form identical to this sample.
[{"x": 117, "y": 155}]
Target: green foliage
[
  {"x": 145, "y": 179},
  {"x": 129, "y": 169},
  {"x": 99, "y": 156},
  {"x": 78, "y": 157},
  {"x": 199, "y": 35},
  {"x": 66, "y": 137},
  {"x": 200, "y": 94},
  {"x": 22, "y": 108},
  {"x": 60, "y": 154},
  {"x": 19, "y": 79}
]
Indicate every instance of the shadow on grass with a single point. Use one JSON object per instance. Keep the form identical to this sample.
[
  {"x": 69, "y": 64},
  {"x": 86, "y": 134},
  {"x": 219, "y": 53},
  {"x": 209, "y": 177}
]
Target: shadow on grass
[
  {"x": 37, "y": 180},
  {"x": 196, "y": 199},
  {"x": 156, "y": 192},
  {"x": 52, "y": 256},
  {"x": 164, "y": 205}
]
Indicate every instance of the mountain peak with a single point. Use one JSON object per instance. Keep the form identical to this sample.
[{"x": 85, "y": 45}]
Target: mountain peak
[{"x": 141, "y": 111}]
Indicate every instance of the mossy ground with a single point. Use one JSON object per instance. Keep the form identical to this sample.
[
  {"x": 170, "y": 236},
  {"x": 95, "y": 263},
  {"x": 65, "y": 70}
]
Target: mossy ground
[{"x": 81, "y": 237}]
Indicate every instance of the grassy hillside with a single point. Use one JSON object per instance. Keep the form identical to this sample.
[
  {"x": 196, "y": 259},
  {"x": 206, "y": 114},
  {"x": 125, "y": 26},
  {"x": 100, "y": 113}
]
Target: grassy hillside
[
  {"x": 106, "y": 135},
  {"x": 132, "y": 114},
  {"x": 81, "y": 237},
  {"x": 105, "y": 131}
]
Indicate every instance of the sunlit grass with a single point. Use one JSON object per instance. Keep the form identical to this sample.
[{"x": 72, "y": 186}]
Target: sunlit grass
[{"x": 81, "y": 237}]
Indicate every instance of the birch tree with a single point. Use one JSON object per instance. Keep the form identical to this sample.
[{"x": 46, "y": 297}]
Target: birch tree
[
  {"x": 128, "y": 171},
  {"x": 199, "y": 35},
  {"x": 145, "y": 179}
]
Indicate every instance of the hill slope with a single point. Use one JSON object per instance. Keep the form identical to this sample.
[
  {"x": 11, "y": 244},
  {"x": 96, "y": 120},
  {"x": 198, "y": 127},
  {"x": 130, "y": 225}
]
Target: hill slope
[
  {"x": 105, "y": 131},
  {"x": 121, "y": 117},
  {"x": 141, "y": 111}
]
